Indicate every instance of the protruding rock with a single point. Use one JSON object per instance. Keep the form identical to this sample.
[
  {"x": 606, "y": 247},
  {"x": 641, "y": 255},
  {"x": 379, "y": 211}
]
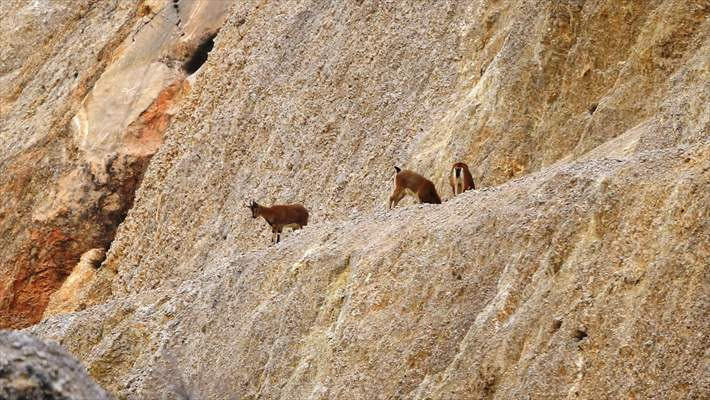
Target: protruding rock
[
  {"x": 34, "y": 369},
  {"x": 68, "y": 297}
]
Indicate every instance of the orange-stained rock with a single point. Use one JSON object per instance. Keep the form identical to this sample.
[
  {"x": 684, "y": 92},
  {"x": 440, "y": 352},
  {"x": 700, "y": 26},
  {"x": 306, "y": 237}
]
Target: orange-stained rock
[
  {"x": 145, "y": 135},
  {"x": 39, "y": 271},
  {"x": 87, "y": 89}
]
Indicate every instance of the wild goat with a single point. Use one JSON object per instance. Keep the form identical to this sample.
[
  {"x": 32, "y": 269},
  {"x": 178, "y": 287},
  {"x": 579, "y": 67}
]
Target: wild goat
[
  {"x": 413, "y": 184},
  {"x": 460, "y": 178},
  {"x": 293, "y": 216}
]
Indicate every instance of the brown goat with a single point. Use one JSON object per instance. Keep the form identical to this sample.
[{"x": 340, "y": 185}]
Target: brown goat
[
  {"x": 460, "y": 178},
  {"x": 413, "y": 184},
  {"x": 293, "y": 216}
]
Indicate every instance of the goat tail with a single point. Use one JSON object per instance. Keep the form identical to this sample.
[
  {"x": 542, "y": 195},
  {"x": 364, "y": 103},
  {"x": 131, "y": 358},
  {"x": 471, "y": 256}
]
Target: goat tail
[{"x": 396, "y": 168}]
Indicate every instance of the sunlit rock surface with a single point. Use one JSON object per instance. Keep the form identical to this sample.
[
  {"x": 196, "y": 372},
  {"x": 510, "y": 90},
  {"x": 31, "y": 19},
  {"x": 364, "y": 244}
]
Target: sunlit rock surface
[
  {"x": 88, "y": 88},
  {"x": 579, "y": 270}
]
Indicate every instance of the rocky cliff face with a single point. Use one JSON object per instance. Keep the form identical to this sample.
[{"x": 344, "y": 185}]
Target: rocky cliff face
[
  {"x": 88, "y": 88},
  {"x": 578, "y": 271}
]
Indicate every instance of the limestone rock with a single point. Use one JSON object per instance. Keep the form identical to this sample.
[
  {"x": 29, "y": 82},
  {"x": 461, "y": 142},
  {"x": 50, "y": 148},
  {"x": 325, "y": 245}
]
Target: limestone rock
[
  {"x": 87, "y": 89},
  {"x": 578, "y": 270},
  {"x": 483, "y": 296},
  {"x": 66, "y": 298},
  {"x": 33, "y": 369}
]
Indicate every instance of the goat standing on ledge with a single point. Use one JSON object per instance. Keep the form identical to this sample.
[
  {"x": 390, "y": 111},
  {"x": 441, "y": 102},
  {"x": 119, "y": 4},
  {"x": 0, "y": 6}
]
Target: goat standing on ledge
[
  {"x": 413, "y": 184},
  {"x": 460, "y": 178},
  {"x": 293, "y": 216}
]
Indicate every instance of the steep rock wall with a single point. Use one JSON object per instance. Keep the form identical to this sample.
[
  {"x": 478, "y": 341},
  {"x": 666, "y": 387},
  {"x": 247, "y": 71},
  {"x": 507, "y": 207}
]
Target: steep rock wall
[
  {"x": 315, "y": 104},
  {"x": 85, "y": 101},
  {"x": 583, "y": 281},
  {"x": 579, "y": 271}
]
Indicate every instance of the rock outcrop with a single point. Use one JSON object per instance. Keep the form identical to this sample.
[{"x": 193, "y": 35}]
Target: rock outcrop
[
  {"x": 579, "y": 270},
  {"x": 33, "y": 369},
  {"x": 88, "y": 88},
  {"x": 65, "y": 298}
]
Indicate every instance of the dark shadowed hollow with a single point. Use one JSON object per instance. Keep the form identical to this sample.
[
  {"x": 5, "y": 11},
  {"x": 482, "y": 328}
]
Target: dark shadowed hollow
[{"x": 200, "y": 55}]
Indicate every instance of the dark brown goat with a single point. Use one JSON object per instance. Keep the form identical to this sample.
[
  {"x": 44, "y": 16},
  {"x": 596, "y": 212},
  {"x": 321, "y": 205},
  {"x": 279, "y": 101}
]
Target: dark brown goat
[
  {"x": 460, "y": 178},
  {"x": 413, "y": 184},
  {"x": 293, "y": 216}
]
